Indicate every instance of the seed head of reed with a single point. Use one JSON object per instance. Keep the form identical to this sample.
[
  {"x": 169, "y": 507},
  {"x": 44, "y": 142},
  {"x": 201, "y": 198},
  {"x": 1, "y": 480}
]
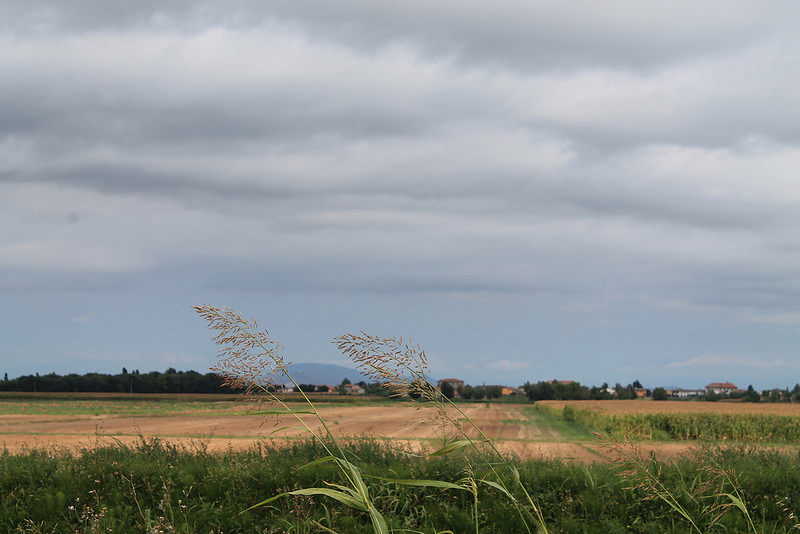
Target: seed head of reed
[
  {"x": 248, "y": 358},
  {"x": 717, "y": 475},
  {"x": 640, "y": 472},
  {"x": 401, "y": 367},
  {"x": 720, "y": 483}
]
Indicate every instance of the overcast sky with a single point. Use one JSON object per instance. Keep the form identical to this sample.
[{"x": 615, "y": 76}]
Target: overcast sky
[{"x": 530, "y": 190}]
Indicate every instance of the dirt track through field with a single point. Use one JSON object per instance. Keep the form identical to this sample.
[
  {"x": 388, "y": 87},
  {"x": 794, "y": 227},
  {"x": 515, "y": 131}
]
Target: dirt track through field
[{"x": 510, "y": 426}]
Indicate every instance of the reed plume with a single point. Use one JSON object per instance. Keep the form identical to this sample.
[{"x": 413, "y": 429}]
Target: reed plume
[{"x": 249, "y": 359}]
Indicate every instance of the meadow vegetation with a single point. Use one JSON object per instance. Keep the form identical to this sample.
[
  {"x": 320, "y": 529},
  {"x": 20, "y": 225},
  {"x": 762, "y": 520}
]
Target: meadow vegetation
[{"x": 153, "y": 486}]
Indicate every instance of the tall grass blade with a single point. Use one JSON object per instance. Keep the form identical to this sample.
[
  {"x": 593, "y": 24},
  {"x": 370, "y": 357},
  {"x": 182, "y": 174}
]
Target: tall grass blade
[
  {"x": 287, "y": 411},
  {"x": 318, "y": 461},
  {"x": 452, "y": 447},
  {"x": 422, "y": 483},
  {"x": 500, "y": 488},
  {"x": 378, "y": 522},
  {"x": 344, "y": 497}
]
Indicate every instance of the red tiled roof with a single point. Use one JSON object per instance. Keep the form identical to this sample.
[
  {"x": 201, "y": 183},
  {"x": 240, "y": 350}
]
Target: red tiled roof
[{"x": 721, "y": 385}]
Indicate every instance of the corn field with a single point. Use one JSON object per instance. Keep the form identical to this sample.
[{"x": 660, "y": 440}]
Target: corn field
[{"x": 702, "y": 426}]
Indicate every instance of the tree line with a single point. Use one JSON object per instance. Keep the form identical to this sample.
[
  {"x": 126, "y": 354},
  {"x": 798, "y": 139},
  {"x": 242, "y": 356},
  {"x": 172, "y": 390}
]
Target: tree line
[
  {"x": 170, "y": 381},
  {"x": 556, "y": 390},
  {"x": 468, "y": 392},
  {"x": 373, "y": 389}
]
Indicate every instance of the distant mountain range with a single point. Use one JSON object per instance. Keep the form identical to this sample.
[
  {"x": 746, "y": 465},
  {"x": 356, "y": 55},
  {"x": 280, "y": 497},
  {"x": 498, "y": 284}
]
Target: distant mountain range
[{"x": 324, "y": 373}]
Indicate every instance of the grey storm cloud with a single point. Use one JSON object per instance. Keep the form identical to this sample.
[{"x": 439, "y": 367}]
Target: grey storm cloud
[
  {"x": 498, "y": 145},
  {"x": 600, "y": 183},
  {"x": 511, "y": 33}
]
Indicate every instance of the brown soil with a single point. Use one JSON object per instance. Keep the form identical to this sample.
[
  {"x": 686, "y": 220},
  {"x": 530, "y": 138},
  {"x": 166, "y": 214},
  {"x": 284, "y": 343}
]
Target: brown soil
[{"x": 506, "y": 425}]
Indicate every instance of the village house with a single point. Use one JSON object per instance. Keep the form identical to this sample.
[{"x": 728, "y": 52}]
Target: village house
[
  {"x": 685, "y": 393},
  {"x": 353, "y": 389},
  {"x": 721, "y": 388},
  {"x": 455, "y": 382}
]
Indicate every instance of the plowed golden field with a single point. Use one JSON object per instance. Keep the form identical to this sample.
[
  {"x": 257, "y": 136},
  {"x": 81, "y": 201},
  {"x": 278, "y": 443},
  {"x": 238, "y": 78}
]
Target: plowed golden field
[{"x": 220, "y": 425}]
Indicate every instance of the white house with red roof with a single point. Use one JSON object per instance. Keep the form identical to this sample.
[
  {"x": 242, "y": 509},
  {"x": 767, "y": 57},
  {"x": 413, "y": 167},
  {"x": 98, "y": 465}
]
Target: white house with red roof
[{"x": 721, "y": 388}]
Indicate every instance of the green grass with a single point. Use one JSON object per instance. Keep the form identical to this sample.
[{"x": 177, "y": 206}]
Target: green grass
[
  {"x": 567, "y": 430},
  {"x": 152, "y": 484}
]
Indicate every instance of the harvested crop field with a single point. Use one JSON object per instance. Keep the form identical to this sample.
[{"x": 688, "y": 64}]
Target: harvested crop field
[
  {"x": 238, "y": 425},
  {"x": 218, "y": 425}
]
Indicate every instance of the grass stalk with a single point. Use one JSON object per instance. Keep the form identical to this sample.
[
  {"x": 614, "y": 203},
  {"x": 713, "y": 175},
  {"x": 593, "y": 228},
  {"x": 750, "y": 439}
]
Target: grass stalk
[
  {"x": 402, "y": 368},
  {"x": 246, "y": 353},
  {"x": 249, "y": 359}
]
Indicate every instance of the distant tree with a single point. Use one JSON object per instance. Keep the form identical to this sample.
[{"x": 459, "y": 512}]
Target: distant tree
[
  {"x": 478, "y": 393},
  {"x": 660, "y": 394},
  {"x": 306, "y": 388},
  {"x": 124, "y": 371},
  {"x": 637, "y": 385},
  {"x": 527, "y": 387},
  {"x": 625, "y": 392},
  {"x": 374, "y": 388},
  {"x": 796, "y": 392},
  {"x": 751, "y": 395},
  {"x": 341, "y": 387},
  {"x": 323, "y": 389},
  {"x": 540, "y": 391},
  {"x": 467, "y": 392},
  {"x": 447, "y": 390},
  {"x": 531, "y": 391},
  {"x": 546, "y": 391},
  {"x": 569, "y": 391},
  {"x": 600, "y": 393},
  {"x": 494, "y": 392}
]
